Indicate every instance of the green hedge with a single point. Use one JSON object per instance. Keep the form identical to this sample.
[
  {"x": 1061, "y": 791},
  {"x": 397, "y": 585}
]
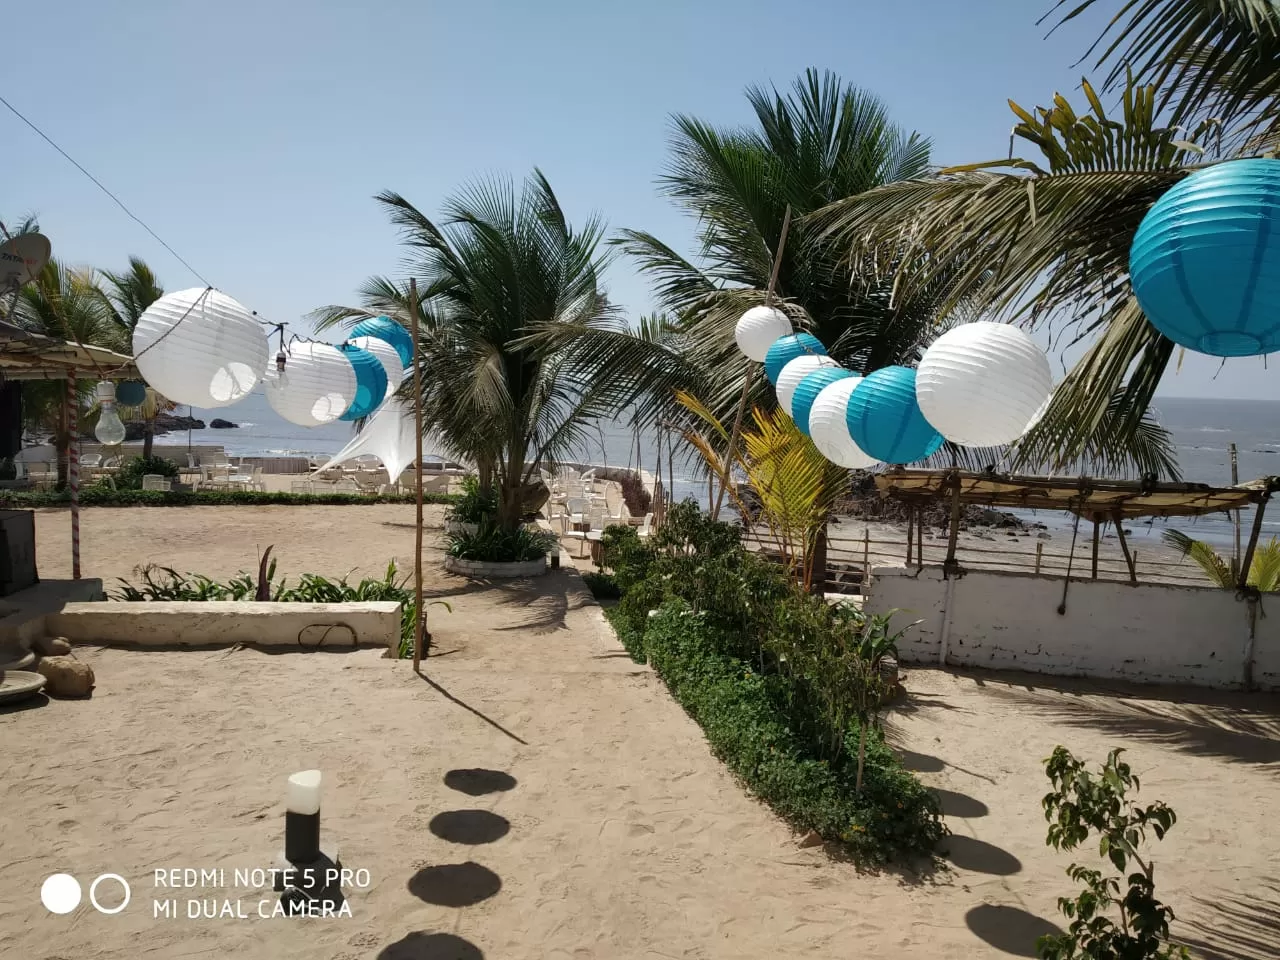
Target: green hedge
[
  {"x": 96, "y": 496},
  {"x": 746, "y": 718}
]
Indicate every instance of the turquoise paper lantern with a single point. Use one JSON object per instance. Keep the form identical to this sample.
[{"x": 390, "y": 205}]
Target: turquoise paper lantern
[
  {"x": 885, "y": 421},
  {"x": 384, "y": 328},
  {"x": 785, "y": 349},
  {"x": 131, "y": 393},
  {"x": 1205, "y": 262},
  {"x": 371, "y": 382},
  {"x": 808, "y": 391}
]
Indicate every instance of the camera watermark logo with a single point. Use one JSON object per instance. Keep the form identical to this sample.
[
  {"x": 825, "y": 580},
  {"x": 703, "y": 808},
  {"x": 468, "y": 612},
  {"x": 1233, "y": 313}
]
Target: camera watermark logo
[{"x": 61, "y": 893}]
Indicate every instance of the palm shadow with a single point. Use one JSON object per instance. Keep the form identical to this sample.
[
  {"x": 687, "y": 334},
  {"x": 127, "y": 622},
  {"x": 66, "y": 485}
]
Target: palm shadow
[{"x": 1245, "y": 927}]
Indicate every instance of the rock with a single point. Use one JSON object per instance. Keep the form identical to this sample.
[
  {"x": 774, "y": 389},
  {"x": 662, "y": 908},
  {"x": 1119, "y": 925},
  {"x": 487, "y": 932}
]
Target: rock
[
  {"x": 52, "y": 646},
  {"x": 810, "y": 839},
  {"x": 66, "y": 676},
  {"x": 217, "y": 423},
  {"x": 1043, "y": 536}
]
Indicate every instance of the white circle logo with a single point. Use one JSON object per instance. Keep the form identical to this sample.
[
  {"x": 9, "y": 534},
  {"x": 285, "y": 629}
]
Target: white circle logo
[
  {"x": 93, "y": 893},
  {"x": 60, "y": 893}
]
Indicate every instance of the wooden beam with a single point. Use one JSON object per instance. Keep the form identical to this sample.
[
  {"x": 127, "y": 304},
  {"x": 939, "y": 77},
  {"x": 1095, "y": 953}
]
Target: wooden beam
[
  {"x": 1118, "y": 520},
  {"x": 1247, "y": 561}
]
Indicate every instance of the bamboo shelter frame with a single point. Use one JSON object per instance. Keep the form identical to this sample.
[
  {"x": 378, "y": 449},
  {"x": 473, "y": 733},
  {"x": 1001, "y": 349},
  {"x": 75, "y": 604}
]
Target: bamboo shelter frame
[{"x": 1087, "y": 497}]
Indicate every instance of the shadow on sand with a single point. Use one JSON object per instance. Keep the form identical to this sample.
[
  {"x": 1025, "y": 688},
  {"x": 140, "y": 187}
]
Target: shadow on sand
[
  {"x": 476, "y": 782},
  {"x": 969, "y": 853},
  {"x": 431, "y": 946},
  {"x": 455, "y": 884},
  {"x": 469, "y": 826},
  {"x": 1008, "y": 929}
]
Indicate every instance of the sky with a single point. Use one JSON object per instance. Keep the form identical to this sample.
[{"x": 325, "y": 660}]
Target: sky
[{"x": 252, "y": 136}]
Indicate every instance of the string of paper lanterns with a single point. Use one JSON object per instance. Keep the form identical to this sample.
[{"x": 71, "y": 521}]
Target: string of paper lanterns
[
  {"x": 203, "y": 348},
  {"x": 979, "y": 385}
]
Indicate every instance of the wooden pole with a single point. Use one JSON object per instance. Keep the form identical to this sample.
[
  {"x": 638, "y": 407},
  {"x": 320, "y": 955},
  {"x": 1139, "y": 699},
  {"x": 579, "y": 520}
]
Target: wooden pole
[
  {"x": 751, "y": 372},
  {"x": 1095, "y": 547},
  {"x": 1247, "y": 561},
  {"x": 1235, "y": 479},
  {"x": 866, "y": 559},
  {"x": 911, "y": 517},
  {"x": 1039, "y": 555},
  {"x": 420, "y": 614},
  {"x": 1118, "y": 519},
  {"x": 73, "y": 470},
  {"x": 949, "y": 565},
  {"x": 920, "y": 538}
]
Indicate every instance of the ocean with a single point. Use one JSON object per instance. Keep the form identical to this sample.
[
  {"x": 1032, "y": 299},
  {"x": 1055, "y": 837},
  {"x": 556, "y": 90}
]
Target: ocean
[{"x": 1202, "y": 430}]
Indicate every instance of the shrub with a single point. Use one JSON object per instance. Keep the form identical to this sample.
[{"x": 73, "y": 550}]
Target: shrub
[
  {"x": 492, "y": 544},
  {"x": 165, "y": 583},
  {"x": 474, "y": 506},
  {"x": 106, "y": 497},
  {"x": 602, "y": 586},
  {"x": 129, "y": 476},
  {"x": 745, "y": 715},
  {"x": 638, "y": 500}
]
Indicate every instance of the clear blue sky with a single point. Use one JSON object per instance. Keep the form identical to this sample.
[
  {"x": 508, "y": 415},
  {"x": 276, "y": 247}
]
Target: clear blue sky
[{"x": 253, "y": 135}]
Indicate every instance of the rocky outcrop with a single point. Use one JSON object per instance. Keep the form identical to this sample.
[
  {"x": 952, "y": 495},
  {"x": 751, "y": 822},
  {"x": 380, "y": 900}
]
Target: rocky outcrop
[{"x": 219, "y": 424}]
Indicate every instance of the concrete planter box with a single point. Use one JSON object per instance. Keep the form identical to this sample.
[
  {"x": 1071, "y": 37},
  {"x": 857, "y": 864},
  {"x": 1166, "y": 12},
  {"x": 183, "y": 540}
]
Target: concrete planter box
[
  {"x": 216, "y": 623},
  {"x": 461, "y": 527},
  {"x": 485, "y": 569}
]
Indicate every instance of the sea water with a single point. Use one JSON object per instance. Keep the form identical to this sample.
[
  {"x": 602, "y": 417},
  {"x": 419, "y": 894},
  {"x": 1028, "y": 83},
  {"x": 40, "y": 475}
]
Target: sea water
[{"x": 1201, "y": 429}]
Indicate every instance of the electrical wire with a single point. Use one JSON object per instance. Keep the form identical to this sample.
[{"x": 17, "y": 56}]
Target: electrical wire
[{"x": 44, "y": 136}]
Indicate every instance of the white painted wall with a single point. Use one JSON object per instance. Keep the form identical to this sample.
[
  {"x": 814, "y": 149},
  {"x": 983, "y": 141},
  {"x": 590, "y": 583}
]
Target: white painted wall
[
  {"x": 299, "y": 626},
  {"x": 1149, "y": 633}
]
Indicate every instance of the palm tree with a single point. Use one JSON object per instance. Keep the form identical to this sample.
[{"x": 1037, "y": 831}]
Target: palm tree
[
  {"x": 127, "y": 295},
  {"x": 1264, "y": 570},
  {"x": 500, "y": 275},
  {"x": 66, "y": 304},
  {"x": 1046, "y": 241}
]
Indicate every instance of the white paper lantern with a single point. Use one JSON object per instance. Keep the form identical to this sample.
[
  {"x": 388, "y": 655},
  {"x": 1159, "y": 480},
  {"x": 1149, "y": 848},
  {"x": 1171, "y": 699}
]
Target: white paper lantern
[
  {"x": 980, "y": 384},
  {"x": 200, "y": 347},
  {"x": 317, "y": 386},
  {"x": 387, "y": 355},
  {"x": 829, "y": 427},
  {"x": 1038, "y": 415},
  {"x": 758, "y": 328},
  {"x": 795, "y": 371}
]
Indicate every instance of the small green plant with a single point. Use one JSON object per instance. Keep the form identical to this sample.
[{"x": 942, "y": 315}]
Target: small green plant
[
  {"x": 165, "y": 583},
  {"x": 129, "y": 476},
  {"x": 492, "y": 544},
  {"x": 474, "y": 505},
  {"x": 1084, "y": 804}
]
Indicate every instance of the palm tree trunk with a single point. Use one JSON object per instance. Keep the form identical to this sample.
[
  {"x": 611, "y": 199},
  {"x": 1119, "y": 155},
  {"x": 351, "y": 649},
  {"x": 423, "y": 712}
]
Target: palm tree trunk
[{"x": 484, "y": 471}]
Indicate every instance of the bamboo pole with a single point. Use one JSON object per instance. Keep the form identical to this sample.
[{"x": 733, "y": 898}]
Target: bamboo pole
[
  {"x": 1235, "y": 514},
  {"x": 1095, "y": 548},
  {"x": 949, "y": 565},
  {"x": 751, "y": 372},
  {"x": 866, "y": 557},
  {"x": 420, "y": 614},
  {"x": 1118, "y": 520},
  {"x": 1247, "y": 561},
  {"x": 73, "y": 470},
  {"x": 920, "y": 538},
  {"x": 911, "y": 519},
  {"x": 1039, "y": 555}
]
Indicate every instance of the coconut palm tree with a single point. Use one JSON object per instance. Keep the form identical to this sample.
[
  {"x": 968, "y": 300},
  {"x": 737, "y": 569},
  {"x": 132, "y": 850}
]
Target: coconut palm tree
[
  {"x": 1264, "y": 570},
  {"x": 499, "y": 274},
  {"x": 64, "y": 303},
  {"x": 127, "y": 296}
]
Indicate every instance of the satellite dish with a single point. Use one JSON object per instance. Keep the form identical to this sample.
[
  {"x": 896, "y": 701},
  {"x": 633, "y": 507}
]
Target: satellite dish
[{"x": 22, "y": 258}]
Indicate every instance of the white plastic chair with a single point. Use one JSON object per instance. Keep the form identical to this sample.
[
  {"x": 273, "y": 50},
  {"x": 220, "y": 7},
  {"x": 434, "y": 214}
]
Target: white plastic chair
[
  {"x": 646, "y": 527},
  {"x": 301, "y": 486},
  {"x": 92, "y": 461},
  {"x": 156, "y": 481}
]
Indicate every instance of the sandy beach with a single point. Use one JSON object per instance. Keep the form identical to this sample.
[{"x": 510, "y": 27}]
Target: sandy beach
[{"x": 604, "y": 827}]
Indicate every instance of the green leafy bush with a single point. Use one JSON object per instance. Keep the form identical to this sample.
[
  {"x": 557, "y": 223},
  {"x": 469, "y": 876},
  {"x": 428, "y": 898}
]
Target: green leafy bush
[
  {"x": 105, "y": 497},
  {"x": 165, "y": 583},
  {"x": 787, "y": 687},
  {"x": 492, "y": 544},
  {"x": 129, "y": 476},
  {"x": 474, "y": 505},
  {"x": 602, "y": 586},
  {"x": 747, "y": 717}
]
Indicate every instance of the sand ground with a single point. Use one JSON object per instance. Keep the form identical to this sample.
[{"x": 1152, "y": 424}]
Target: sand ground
[{"x": 605, "y": 829}]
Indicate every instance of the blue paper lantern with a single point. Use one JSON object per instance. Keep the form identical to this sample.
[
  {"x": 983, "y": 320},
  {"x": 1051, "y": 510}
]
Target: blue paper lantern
[
  {"x": 1205, "y": 262},
  {"x": 885, "y": 421},
  {"x": 371, "y": 382},
  {"x": 131, "y": 393},
  {"x": 785, "y": 349},
  {"x": 808, "y": 391},
  {"x": 384, "y": 328}
]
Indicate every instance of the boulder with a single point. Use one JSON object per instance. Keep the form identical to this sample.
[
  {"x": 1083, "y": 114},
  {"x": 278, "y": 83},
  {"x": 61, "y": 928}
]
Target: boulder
[
  {"x": 66, "y": 676},
  {"x": 218, "y": 423},
  {"x": 52, "y": 646}
]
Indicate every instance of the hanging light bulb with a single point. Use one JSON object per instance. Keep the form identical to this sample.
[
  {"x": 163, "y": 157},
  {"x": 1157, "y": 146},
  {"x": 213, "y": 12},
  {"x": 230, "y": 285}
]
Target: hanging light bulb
[{"x": 110, "y": 430}]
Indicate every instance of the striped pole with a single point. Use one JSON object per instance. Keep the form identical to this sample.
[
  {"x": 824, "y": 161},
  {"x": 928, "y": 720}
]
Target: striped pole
[{"x": 73, "y": 472}]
